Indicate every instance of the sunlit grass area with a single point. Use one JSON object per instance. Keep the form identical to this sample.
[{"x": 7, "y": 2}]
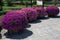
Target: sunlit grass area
[
  {"x": 48, "y": 4},
  {"x": 51, "y": 5},
  {"x": 58, "y": 4},
  {"x": 1, "y": 16},
  {"x": 14, "y": 7}
]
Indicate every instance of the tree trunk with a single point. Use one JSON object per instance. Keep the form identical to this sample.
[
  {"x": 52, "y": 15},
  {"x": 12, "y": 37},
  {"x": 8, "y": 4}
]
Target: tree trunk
[
  {"x": 55, "y": 2},
  {"x": 9, "y": 3},
  {"x": 0, "y": 5},
  {"x": 31, "y": 3},
  {"x": 22, "y": 2},
  {"x": 43, "y": 4}
]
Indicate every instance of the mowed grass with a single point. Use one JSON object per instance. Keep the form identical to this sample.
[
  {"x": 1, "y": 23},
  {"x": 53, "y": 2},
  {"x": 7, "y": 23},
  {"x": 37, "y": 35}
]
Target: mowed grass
[
  {"x": 16, "y": 7},
  {"x": 51, "y": 5}
]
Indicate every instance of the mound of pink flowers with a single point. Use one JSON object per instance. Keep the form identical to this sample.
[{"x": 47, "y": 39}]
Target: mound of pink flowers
[
  {"x": 10, "y": 12},
  {"x": 40, "y": 11},
  {"x": 15, "y": 21},
  {"x": 31, "y": 13},
  {"x": 52, "y": 10}
]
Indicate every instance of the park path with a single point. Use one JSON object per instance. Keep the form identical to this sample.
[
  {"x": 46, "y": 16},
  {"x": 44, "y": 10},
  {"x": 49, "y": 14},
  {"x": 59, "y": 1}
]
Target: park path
[{"x": 41, "y": 29}]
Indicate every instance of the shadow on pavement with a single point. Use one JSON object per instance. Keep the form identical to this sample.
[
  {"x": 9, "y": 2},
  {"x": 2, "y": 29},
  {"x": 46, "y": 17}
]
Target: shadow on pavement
[
  {"x": 23, "y": 35},
  {"x": 55, "y": 17},
  {"x": 36, "y": 21},
  {"x": 44, "y": 18},
  {"x": 0, "y": 36},
  {"x": 39, "y": 20},
  {"x": 28, "y": 26}
]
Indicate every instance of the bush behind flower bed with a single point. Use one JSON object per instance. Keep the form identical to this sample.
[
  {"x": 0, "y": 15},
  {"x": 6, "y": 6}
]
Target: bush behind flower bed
[
  {"x": 52, "y": 10},
  {"x": 2, "y": 12}
]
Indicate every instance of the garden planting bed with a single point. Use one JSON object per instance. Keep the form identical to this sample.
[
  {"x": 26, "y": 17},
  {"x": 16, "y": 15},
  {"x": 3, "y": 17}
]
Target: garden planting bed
[{"x": 47, "y": 28}]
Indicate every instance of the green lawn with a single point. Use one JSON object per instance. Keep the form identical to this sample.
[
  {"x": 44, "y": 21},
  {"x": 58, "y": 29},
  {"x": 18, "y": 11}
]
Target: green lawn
[
  {"x": 50, "y": 4},
  {"x": 14, "y": 7},
  {"x": 6, "y": 8}
]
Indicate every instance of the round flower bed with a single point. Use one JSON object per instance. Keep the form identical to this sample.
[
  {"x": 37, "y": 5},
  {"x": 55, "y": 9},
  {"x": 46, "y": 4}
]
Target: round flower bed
[
  {"x": 31, "y": 14},
  {"x": 15, "y": 22},
  {"x": 52, "y": 11},
  {"x": 41, "y": 12}
]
